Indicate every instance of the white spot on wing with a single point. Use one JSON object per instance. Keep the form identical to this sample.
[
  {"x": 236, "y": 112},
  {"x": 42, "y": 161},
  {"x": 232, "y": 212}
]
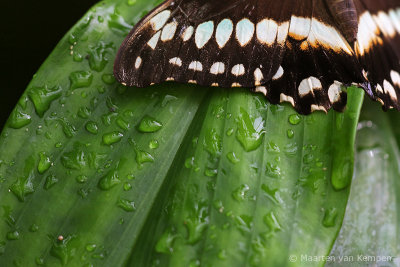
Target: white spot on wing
[
  {"x": 278, "y": 74},
  {"x": 317, "y": 108},
  {"x": 168, "y": 31},
  {"x": 176, "y": 61},
  {"x": 236, "y": 85},
  {"x": 154, "y": 40},
  {"x": 159, "y": 20},
  {"x": 138, "y": 62},
  {"x": 224, "y": 32},
  {"x": 217, "y": 68},
  {"x": 334, "y": 92},
  {"x": 261, "y": 89},
  {"x": 395, "y": 77},
  {"x": 389, "y": 89},
  {"x": 244, "y": 31},
  {"x": 299, "y": 27},
  {"x": 187, "y": 34},
  {"x": 238, "y": 70},
  {"x": 204, "y": 33},
  {"x": 282, "y": 32},
  {"x": 308, "y": 85},
  {"x": 286, "y": 98},
  {"x": 258, "y": 77},
  {"x": 267, "y": 30},
  {"x": 196, "y": 66}
]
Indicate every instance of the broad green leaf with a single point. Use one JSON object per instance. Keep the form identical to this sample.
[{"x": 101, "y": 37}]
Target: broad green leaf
[
  {"x": 370, "y": 231},
  {"x": 94, "y": 173}
]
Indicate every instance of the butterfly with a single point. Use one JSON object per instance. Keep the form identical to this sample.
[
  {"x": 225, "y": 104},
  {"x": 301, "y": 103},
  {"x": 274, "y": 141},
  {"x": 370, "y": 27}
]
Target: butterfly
[{"x": 305, "y": 52}]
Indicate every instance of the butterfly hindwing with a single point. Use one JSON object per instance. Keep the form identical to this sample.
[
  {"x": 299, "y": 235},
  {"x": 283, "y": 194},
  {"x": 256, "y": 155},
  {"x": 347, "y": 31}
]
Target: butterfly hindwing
[{"x": 298, "y": 53}]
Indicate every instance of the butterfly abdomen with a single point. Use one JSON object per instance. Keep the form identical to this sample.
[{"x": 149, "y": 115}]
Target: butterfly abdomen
[{"x": 345, "y": 14}]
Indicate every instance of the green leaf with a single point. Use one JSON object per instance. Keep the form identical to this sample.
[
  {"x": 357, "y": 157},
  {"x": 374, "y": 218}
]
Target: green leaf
[
  {"x": 369, "y": 233},
  {"x": 96, "y": 173}
]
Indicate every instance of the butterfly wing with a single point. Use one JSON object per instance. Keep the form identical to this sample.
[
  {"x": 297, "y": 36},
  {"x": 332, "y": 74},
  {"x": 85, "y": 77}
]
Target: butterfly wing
[
  {"x": 290, "y": 52},
  {"x": 378, "y": 48}
]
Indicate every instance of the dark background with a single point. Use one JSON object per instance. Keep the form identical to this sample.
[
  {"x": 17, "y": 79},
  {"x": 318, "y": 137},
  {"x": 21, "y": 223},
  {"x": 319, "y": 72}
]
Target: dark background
[{"x": 29, "y": 30}]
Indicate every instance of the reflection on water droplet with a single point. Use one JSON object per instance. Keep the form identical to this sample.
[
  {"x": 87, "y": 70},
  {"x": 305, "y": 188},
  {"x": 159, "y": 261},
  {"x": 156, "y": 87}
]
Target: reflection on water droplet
[
  {"x": 13, "y": 235},
  {"x": 51, "y": 180},
  {"x": 42, "y": 97},
  {"x": 126, "y": 205},
  {"x": 80, "y": 79},
  {"x": 44, "y": 162},
  {"x": 232, "y": 157},
  {"x": 112, "y": 138},
  {"x": 19, "y": 119}
]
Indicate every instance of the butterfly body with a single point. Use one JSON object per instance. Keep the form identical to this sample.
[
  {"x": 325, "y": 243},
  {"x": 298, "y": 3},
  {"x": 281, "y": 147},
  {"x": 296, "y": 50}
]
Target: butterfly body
[{"x": 301, "y": 52}]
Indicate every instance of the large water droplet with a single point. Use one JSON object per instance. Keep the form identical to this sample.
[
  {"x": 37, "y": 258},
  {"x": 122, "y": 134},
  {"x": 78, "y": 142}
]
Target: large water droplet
[
  {"x": 110, "y": 180},
  {"x": 149, "y": 125},
  {"x": 143, "y": 157},
  {"x": 165, "y": 243},
  {"x": 75, "y": 159},
  {"x": 213, "y": 142},
  {"x": 240, "y": 193},
  {"x": 92, "y": 127},
  {"x": 294, "y": 119},
  {"x": 42, "y": 97},
  {"x": 44, "y": 162},
  {"x": 98, "y": 55},
  {"x": 232, "y": 157},
  {"x": 80, "y": 79},
  {"x": 23, "y": 186},
  {"x": 112, "y": 138},
  {"x": 19, "y": 119},
  {"x": 250, "y": 131}
]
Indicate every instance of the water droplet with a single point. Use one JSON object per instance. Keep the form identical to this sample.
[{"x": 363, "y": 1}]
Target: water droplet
[
  {"x": 68, "y": 129},
  {"x": 240, "y": 193},
  {"x": 232, "y": 157},
  {"x": 271, "y": 221},
  {"x": 127, "y": 186},
  {"x": 290, "y": 133},
  {"x": 126, "y": 205},
  {"x": 108, "y": 79},
  {"x": 42, "y": 97},
  {"x": 197, "y": 222},
  {"x": 229, "y": 132},
  {"x": 75, "y": 159},
  {"x": 22, "y": 187},
  {"x": 273, "y": 170},
  {"x": 250, "y": 132},
  {"x": 63, "y": 249},
  {"x": 294, "y": 119},
  {"x": 123, "y": 124},
  {"x": 153, "y": 144},
  {"x": 92, "y": 127},
  {"x": 244, "y": 223},
  {"x": 330, "y": 217},
  {"x": 34, "y": 228},
  {"x": 270, "y": 192},
  {"x": 84, "y": 112},
  {"x": 77, "y": 57},
  {"x": 218, "y": 206},
  {"x": 131, "y": 2},
  {"x": 19, "y": 119},
  {"x": 98, "y": 56},
  {"x": 108, "y": 118},
  {"x": 112, "y": 138},
  {"x": 13, "y": 235},
  {"x": 110, "y": 180},
  {"x": 118, "y": 25},
  {"x": 91, "y": 247},
  {"x": 44, "y": 163},
  {"x": 213, "y": 142},
  {"x": 194, "y": 263},
  {"x": 80, "y": 79},
  {"x": 39, "y": 261},
  {"x": 149, "y": 125},
  {"x": 81, "y": 179},
  {"x": 50, "y": 181},
  {"x": 143, "y": 157},
  {"x": 165, "y": 243},
  {"x": 211, "y": 172}
]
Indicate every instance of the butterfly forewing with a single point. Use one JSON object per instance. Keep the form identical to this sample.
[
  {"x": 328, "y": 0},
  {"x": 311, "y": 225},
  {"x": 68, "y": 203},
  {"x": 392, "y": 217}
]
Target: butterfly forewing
[{"x": 301, "y": 52}]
